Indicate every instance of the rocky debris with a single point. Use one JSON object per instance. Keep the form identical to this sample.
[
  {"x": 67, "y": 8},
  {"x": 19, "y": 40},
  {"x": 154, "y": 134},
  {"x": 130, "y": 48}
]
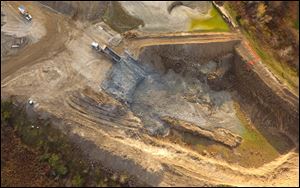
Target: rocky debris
[
  {"x": 130, "y": 34},
  {"x": 156, "y": 127},
  {"x": 187, "y": 59},
  {"x": 123, "y": 79},
  {"x": 209, "y": 67},
  {"x": 205, "y": 153},
  {"x": 99, "y": 105},
  {"x": 223, "y": 66},
  {"x": 214, "y": 71},
  {"x": 220, "y": 135}
]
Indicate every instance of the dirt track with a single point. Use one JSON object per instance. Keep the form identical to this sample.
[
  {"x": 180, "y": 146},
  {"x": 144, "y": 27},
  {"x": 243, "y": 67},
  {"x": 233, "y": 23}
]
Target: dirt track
[
  {"x": 62, "y": 74},
  {"x": 53, "y": 42}
]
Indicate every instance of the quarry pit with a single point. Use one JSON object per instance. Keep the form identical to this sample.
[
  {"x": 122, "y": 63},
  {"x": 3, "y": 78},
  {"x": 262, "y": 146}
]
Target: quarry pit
[{"x": 179, "y": 109}]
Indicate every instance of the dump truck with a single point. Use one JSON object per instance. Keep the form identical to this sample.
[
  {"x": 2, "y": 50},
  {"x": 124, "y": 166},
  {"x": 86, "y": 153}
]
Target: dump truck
[
  {"x": 106, "y": 50},
  {"x": 24, "y": 13},
  {"x": 95, "y": 46}
]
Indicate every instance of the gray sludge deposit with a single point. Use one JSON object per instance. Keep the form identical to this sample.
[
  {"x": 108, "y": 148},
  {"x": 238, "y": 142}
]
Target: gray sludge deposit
[
  {"x": 152, "y": 94},
  {"x": 123, "y": 79}
]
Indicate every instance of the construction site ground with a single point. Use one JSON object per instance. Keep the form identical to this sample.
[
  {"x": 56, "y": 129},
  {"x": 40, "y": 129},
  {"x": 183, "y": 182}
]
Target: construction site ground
[{"x": 62, "y": 74}]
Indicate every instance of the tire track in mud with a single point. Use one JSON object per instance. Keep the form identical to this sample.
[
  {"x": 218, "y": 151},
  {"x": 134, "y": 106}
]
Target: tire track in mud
[
  {"x": 108, "y": 114},
  {"x": 191, "y": 164}
]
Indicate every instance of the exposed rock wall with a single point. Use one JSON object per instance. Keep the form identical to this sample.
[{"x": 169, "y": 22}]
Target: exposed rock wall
[
  {"x": 186, "y": 58},
  {"x": 263, "y": 105},
  {"x": 268, "y": 108},
  {"x": 220, "y": 135}
]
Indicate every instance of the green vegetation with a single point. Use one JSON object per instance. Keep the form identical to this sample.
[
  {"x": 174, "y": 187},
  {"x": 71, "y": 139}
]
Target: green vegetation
[
  {"x": 224, "y": 185},
  {"x": 118, "y": 19},
  {"x": 77, "y": 181},
  {"x": 5, "y": 111},
  {"x": 55, "y": 150},
  {"x": 297, "y": 20},
  {"x": 214, "y": 23},
  {"x": 57, "y": 165},
  {"x": 254, "y": 140},
  {"x": 286, "y": 74},
  {"x": 232, "y": 13}
]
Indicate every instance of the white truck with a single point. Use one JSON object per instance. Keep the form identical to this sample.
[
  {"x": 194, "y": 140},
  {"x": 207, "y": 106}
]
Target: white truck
[
  {"x": 95, "y": 45},
  {"x": 98, "y": 47},
  {"x": 24, "y": 13},
  {"x": 106, "y": 50}
]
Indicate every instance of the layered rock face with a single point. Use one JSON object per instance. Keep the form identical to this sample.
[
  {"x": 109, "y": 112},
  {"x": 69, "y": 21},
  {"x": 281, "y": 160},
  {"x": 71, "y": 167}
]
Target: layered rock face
[
  {"x": 268, "y": 108},
  {"x": 222, "y": 68}
]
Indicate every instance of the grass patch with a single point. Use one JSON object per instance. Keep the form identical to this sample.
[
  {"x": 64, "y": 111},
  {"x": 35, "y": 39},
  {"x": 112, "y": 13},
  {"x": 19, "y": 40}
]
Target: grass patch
[
  {"x": 231, "y": 12},
  {"x": 214, "y": 23}
]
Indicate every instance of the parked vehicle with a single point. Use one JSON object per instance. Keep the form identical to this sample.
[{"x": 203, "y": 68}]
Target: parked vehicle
[{"x": 24, "y": 13}]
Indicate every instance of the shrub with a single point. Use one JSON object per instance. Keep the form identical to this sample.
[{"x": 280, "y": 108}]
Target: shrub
[
  {"x": 59, "y": 168},
  {"x": 77, "y": 181}
]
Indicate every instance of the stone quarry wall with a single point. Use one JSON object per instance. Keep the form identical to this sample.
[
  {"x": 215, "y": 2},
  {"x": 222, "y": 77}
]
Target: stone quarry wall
[
  {"x": 263, "y": 105},
  {"x": 268, "y": 108},
  {"x": 184, "y": 58}
]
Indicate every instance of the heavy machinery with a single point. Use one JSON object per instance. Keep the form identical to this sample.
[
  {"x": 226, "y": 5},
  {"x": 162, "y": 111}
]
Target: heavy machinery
[
  {"x": 24, "y": 13},
  {"x": 95, "y": 46},
  {"x": 106, "y": 50}
]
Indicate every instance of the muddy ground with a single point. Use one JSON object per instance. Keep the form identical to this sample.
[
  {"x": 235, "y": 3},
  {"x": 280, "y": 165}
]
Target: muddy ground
[{"x": 63, "y": 76}]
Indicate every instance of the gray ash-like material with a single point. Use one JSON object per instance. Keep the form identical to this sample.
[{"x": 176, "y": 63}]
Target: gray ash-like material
[{"x": 123, "y": 79}]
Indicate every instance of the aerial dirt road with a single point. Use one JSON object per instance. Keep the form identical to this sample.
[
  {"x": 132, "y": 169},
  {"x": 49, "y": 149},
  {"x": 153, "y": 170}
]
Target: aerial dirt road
[
  {"x": 57, "y": 34},
  {"x": 178, "y": 38},
  {"x": 62, "y": 74}
]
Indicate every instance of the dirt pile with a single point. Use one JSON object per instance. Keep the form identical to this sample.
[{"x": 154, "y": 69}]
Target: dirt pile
[
  {"x": 124, "y": 78},
  {"x": 219, "y": 135}
]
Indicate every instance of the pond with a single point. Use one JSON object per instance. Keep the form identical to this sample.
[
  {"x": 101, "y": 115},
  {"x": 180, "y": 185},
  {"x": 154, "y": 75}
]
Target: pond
[{"x": 214, "y": 22}]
